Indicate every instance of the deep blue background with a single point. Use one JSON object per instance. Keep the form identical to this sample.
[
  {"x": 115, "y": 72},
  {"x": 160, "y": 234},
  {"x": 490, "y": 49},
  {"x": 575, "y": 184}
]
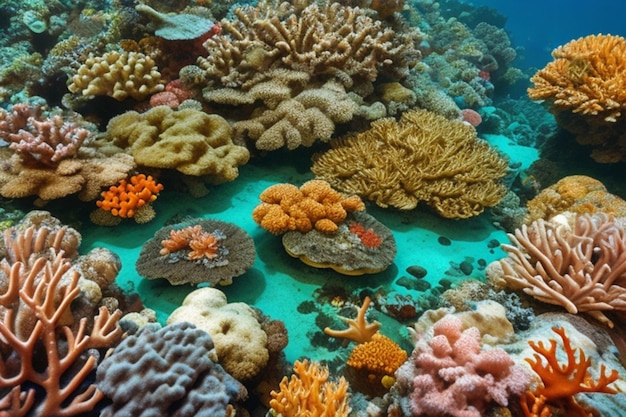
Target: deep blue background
[{"x": 541, "y": 25}]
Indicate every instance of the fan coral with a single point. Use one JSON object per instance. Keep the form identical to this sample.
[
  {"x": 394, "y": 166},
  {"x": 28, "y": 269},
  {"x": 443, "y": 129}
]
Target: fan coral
[
  {"x": 309, "y": 392},
  {"x": 195, "y": 251},
  {"x": 562, "y": 382},
  {"x": 117, "y": 75},
  {"x": 39, "y": 140},
  {"x": 315, "y": 204},
  {"x": 423, "y": 157},
  {"x": 579, "y": 264},
  {"x": 126, "y": 198},
  {"x": 586, "y": 90}
]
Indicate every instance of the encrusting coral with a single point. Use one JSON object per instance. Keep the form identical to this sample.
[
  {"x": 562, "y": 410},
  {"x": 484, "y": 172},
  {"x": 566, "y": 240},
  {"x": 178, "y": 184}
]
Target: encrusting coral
[
  {"x": 315, "y": 205},
  {"x": 577, "y": 262},
  {"x": 560, "y": 382},
  {"x": 586, "y": 90},
  {"x": 423, "y": 157},
  {"x": 197, "y": 251},
  {"x": 310, "y": 393}
]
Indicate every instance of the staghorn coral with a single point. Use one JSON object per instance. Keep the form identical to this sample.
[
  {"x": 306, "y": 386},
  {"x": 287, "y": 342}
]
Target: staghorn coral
[
  {"x": 241, "y": 344},
  {"x": 586, "y": 90},
  {"x": 189, "y": 141},
  {"x": 129, "y": 196},
  {"x": 315, "y": 205},
  {"x": 309, "y": 392},
  {"x": 39, "y": 140},
  {"x": 577, "y": 262},
  {"x": 423, "y": 157},
  {"x": 180, "y": 260},
  {"x": 560, "y": 382},
  {"x": 359, "y": 329},
  {"x": 117, "y": 74}
]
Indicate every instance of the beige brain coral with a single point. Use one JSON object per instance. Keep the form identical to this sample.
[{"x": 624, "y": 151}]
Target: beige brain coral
[
  {"x": 119, "y": 75},
  {"x": 423, "y": 157},
  {"x": 240, "y": 342},
  {"x": 188, "y": 140}
]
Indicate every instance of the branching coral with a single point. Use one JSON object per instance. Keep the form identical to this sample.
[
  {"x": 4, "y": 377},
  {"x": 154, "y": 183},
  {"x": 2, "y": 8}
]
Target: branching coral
[
  {"x": 560, "y": 382},
  {"x": 309, "y": 392},
  {"x": 586, "y": 89},
  {"x": 359, "y": 329},
  {"x": 423, "y": 157},
  {"x": 315, "y": 204},
  {"x": 129, "y": 197},
  {"x": 579, "y": 264}
]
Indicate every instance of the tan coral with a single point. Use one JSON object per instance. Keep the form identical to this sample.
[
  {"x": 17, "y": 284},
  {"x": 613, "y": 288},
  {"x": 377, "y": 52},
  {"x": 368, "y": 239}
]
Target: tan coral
[
  {"x": 190, "y": 141},
  {"x": 423, "y": 157},
  {"x": 117, "y": 75}
]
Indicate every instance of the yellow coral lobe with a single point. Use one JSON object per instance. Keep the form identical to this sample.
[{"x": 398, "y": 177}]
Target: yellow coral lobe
[{"x": 381, "y": 355}]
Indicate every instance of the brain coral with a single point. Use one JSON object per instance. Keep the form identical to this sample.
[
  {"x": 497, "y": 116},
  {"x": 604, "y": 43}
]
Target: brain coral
[
  {"x": 188, "y": 140},
  {"x": 423, "y": 157},
  {"x": 240, "y": 342}
]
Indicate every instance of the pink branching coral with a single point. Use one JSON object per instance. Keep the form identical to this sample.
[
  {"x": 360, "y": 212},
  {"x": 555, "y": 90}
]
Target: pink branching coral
[
  {"x": 39, "y": 140},
  {"x": 450, "y": 374}
]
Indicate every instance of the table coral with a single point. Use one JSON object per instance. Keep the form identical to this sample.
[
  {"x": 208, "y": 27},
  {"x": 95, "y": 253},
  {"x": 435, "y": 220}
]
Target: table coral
[
  {"x": 235, "y": 328},
  {"x": 315, "y": 205},
  {"x": 190, "y": 141},
  {"x": 178, "y": 253},
  {"x": 309, "y": 392},
  {"x": 117, "y": 74},
  {"x": 586, "y": 90},
  {"x": 167, "y": 371},
  {"x": 577, "y": 262},
  {"x": 423, "y": 157},
  {"x": 129, "y": 196}
]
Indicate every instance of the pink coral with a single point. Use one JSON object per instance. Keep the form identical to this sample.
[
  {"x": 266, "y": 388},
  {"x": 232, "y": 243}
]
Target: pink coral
[
  {"x": 471, "y": 116},
  {"x": 452, "y": 375},
  {"x": 41, "y": 141}
]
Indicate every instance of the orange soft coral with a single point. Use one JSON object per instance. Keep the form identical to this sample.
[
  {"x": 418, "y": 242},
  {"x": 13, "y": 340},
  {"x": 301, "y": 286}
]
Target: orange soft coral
[
  {"x": 315, "y": 204},
  {"x": 562, "y": 382},
  {"x": 309, "y": 393},
  {"x": 124, "y": 199},
  {"x": 380, "y": 356},
  {"x": 202, "y": 244}
]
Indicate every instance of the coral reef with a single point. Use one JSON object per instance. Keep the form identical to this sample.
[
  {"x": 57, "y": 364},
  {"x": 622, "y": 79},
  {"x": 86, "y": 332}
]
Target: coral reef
[
  {"x": 167, "y": 371},
  {"x": 315, "y": 205},
  {"x": 575, "y": 261},
  {"x": 585, "y": 90},
  {"x": 309, "y": 392},
  {"x": 423, "y": 157},
  {"x": 170, "y": 254},
  {"x": 189, "y": 141},
  {"x": 241, "y": 344}
]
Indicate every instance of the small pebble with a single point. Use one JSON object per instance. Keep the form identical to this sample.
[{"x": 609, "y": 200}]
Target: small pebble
[
  {"x": 493, "y": 243},
  {"x": 466, "y": 267},
  {"x": 417, "y": 271},
  {"x": 444, "y": 241}
]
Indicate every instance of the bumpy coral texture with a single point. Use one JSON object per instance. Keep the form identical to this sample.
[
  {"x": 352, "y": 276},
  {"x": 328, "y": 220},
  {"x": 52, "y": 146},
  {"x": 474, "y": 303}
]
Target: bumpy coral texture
[
  {"x": 586, "y": 89},
  {"x": 166, "y": 371},
  {"x": 380, "y": 356},
  {"x": 423, "y": 157},
  {"x": 315, "y": 205},
  {"x": 310, "y": 393},
  {"x": 124, "y": 199},
  {"x": 188, "y": 140},
  {"x": 117, "y": 75},
  {"x": 578, "y": 263},
  {"x": 240, "y": 342},
  {"x": 451, "y": 374}
]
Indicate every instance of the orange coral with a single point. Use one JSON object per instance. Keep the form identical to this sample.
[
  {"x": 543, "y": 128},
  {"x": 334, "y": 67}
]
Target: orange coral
[
  {"x": 315, "y": 204},
  {"x": 562, "y": 382},
  {"x": 309, "y": 393},
  {"x": 380, "y": 355},
  {"x": 368, "y": 237},
  {"x": 202, "y": 244},
  {"x": 360, "y": 330},
  {"x": 124, "y": 199}
]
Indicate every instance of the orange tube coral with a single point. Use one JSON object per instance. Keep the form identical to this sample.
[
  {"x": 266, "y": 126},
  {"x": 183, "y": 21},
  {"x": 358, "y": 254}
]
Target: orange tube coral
[{"x": 124, "y": 199}]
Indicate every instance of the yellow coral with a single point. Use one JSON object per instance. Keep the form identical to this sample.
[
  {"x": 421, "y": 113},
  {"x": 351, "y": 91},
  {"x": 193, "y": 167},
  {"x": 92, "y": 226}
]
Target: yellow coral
[
  {"x": 380, "y": 356},
  {"x": 309, "y": 393},
  {"x": 117, "y": 75},
  {"x": 423, "y": 157}
]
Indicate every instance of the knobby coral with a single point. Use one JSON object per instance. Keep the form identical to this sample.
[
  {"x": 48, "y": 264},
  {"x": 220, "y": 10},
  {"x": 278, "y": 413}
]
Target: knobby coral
[
  {"x": 423, "y": 157},
  {"x": 380, "y": 356},
  {"x": 128, "y": 197},
  {"x": 310, "y": 393},
  {"x": 560, "y": 382},
  {"x": 315, "y": 204},
  {"x": 579, "y": 263}
]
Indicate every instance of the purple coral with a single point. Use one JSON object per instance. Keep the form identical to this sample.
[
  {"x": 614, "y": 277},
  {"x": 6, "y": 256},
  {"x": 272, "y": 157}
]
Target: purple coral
[
  {"x": 40, "y": 140},
  {"x": 450, "y": 374}
]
